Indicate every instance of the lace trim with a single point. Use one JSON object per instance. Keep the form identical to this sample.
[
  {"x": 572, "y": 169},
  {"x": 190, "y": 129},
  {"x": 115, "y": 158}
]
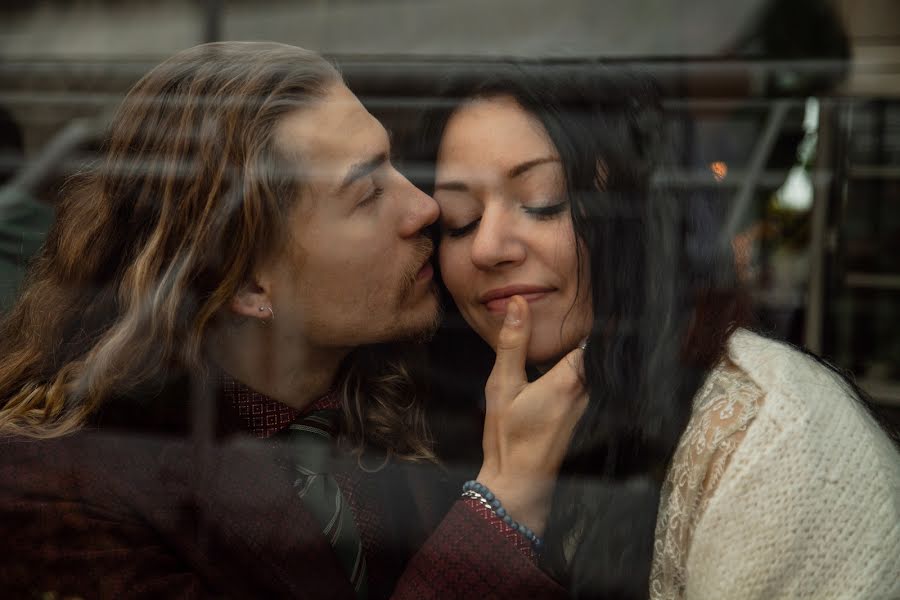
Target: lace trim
[{"x": 723, "y": 409}]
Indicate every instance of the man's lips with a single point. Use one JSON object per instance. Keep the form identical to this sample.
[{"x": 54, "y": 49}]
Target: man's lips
[
  {"x": 426, "y": 272},
  {"x": 496, "y": 300}
]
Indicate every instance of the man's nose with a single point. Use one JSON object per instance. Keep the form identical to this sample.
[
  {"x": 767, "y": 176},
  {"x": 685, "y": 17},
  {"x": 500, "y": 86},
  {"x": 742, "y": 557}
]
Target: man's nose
[{"x": 421, "y": 210}]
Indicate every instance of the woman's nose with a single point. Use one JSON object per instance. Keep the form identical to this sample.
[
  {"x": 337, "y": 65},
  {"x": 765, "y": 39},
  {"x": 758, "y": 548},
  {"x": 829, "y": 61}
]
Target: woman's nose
[{"x": 497, "y": 241}]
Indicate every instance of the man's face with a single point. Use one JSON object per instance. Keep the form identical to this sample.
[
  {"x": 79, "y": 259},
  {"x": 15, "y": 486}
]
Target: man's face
[{"x": 356, "y": 267}]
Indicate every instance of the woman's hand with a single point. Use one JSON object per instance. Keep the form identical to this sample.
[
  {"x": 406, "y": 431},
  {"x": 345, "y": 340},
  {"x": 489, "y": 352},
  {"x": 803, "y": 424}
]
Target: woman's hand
[{"x": 527, "y": 426}]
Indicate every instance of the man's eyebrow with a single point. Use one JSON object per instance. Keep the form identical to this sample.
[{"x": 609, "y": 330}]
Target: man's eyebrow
[
  {"x": 361, "y": 169},
  {"x": 460, "y": 186},
  {"x": 452, "y": 186}
]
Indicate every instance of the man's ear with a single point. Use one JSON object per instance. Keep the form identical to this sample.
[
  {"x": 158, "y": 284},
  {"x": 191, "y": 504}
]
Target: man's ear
[{"x": 252, "y": 300}]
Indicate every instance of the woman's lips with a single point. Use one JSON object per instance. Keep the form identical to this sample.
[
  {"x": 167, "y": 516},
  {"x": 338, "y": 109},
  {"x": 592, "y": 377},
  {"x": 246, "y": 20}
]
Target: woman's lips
[
  {"x": 496, "y": 300},
  {"x": 498, "y": 306}
]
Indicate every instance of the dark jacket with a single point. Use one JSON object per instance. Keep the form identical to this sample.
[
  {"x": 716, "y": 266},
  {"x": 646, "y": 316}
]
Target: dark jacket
[{"x": 127, "y": 508}]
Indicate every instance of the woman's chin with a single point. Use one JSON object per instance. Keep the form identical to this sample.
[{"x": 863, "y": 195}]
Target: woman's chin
[
  {"x": 544, "y": 359},
  {"x": 542, "y": 356}
]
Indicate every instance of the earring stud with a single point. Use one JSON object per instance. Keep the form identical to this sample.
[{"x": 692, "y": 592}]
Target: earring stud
[{"x": 268, "y": 308}]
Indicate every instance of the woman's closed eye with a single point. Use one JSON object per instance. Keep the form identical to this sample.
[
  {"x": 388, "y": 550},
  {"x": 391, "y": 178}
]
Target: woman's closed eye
[
  {"x": 546, "y": 211},
  {"x": 457, "y": 232},
  {"x": 540, "y": 212}
]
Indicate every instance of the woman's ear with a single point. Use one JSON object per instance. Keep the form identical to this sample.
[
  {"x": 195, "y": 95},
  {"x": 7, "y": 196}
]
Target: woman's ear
[{"x": 601, "y": 175}]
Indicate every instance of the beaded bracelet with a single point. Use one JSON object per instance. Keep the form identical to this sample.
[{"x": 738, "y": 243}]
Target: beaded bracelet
[{"x": 477, "y": 491}]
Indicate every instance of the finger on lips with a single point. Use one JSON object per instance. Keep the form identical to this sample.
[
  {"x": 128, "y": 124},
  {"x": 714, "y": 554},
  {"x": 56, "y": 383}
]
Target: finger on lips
[{"x": 512, "y": 343}]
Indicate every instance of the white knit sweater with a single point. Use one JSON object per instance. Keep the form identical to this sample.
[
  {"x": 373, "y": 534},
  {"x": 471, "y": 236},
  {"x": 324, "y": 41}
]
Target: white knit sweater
[{"x": 782, "y": 486}]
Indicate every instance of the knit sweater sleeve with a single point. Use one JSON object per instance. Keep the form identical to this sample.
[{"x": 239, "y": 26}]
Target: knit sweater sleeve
[{"x": 809, "y": 503}]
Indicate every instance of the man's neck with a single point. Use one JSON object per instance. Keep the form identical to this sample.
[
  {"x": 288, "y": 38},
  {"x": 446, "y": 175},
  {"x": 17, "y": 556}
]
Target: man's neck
[{"x": 288, "y": 371}]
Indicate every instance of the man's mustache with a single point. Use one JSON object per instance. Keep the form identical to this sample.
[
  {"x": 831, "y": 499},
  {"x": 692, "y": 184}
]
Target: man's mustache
[{"x": 422, "y": 252}]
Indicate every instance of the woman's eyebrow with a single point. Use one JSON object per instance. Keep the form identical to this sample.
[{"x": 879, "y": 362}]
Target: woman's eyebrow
[
  {"x": 451, "y": 186},
  {"x": 525, "y": 166},
  {"x": 516, "y": 171}
]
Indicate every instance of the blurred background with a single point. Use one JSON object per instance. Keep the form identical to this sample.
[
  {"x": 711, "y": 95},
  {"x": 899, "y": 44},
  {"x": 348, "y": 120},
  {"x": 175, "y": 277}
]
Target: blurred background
[{"x": 790, "y": 107}]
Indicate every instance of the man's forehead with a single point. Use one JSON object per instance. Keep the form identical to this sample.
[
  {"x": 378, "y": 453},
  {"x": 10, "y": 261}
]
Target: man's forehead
[{"x": 325, "y": 139}]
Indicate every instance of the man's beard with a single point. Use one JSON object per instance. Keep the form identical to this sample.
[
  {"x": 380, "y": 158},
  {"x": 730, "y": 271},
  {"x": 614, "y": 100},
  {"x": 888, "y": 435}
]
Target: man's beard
[
  {"x": 422, "y": 329},
  {"x": 427, "y": 332},
  {"x": 417, "y": 332}
]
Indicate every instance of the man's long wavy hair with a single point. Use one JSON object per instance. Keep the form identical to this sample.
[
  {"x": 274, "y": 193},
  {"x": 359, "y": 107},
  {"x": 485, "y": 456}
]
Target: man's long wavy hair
[
  {"x": 664, "y": 296},
  {"x": 153, "y": 241}
]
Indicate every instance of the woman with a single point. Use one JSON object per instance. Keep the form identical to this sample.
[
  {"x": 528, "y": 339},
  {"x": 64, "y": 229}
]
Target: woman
[
  {"x": 186, "y": 302},
  {"x": 710, "y": 462}
]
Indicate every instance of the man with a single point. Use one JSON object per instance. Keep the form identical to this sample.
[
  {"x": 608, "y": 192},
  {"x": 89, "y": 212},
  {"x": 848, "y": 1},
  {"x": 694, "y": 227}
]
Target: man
[{"x": 222, "y": 293}]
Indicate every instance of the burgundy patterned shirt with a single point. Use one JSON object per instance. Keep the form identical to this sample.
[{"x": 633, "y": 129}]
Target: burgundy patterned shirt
[{"x": 259, "y": 415}]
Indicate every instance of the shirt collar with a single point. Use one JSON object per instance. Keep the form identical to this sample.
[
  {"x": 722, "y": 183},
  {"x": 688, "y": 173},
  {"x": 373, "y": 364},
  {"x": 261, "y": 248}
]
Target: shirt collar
[{"x": 262, "y": 416}]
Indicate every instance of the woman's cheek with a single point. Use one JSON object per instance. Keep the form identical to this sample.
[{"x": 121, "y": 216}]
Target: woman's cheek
[
  {"x": 449, "y": 268},
  {"x": 453, "y": 274},
  {"x": 455, "y": 261}
]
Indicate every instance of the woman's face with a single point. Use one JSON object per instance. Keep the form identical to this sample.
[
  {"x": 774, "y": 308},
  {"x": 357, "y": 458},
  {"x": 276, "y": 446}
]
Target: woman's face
[{"x": 506, "y": 227}]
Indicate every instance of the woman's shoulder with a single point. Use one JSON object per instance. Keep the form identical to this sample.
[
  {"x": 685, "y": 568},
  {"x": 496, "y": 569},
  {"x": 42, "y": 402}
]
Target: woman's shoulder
[
  {"x": 779, "y": 463},
  {"x": 772, "y": 363},
  {"x": 809, "y": 500},
  {"x": 801, "y": 394},
  {"x": 775, "y": 365},
  {"x": 773, "y": 417}
]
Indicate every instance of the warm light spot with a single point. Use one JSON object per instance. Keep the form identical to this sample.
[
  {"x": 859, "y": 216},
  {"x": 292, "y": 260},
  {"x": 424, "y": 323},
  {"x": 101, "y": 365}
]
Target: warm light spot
[{"x": 719, "y": 170}]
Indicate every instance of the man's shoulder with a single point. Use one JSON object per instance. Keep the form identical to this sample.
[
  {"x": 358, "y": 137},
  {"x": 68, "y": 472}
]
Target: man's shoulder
[{"x": 120, "y": 496}]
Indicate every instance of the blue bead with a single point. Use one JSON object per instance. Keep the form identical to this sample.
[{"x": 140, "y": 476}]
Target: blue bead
[
  {"x": 489, "y": 496},
  {"x": 501, "y": 512},
  {"x": 508, "y": 520},
  {"x": 495, "y": 503}
]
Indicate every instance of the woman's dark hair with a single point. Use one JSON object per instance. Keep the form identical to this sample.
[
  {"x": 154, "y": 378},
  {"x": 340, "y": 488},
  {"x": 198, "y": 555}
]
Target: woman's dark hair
[{"x": 664, "y": 297}]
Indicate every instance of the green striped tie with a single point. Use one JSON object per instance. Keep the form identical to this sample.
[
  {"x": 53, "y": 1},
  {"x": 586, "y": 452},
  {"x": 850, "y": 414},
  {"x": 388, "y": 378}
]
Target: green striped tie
[{"x": 311, "y": 441}]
